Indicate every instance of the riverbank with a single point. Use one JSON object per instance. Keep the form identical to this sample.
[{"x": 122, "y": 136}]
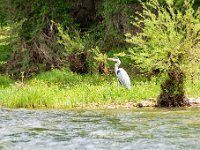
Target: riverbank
[
  {"x": 150, "y": 103},
  {"x": 64, "y": 89}
]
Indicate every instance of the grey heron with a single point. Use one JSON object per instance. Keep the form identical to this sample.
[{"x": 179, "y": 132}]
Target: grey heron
[{"x": 121, "y": 74}]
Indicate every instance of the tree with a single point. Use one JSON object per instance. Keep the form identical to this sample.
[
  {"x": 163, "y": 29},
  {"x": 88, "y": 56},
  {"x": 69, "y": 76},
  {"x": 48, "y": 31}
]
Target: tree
[
  {"x": 35, "y": 48},
  {"x": 169, "y": 41}
]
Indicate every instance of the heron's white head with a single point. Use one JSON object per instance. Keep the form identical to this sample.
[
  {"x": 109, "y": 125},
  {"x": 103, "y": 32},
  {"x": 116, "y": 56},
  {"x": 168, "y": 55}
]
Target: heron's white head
[{"x": 117, "y": 60}]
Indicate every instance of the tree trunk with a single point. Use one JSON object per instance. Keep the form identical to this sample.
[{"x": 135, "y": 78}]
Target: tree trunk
[{"x": 172, "y": 90}]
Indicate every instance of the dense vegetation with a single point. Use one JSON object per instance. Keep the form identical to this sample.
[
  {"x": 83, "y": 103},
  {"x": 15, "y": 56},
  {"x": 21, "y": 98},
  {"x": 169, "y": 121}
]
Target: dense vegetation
[{"x": 54, "y": 53}]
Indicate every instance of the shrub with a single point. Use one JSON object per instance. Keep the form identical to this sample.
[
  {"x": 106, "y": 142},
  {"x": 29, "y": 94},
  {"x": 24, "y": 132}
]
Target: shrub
[{"x": 169, "y": 41}]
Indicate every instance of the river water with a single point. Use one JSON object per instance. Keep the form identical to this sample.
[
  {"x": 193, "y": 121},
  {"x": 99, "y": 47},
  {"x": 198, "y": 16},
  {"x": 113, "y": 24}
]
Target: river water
[{"x": 112, "y": 129}]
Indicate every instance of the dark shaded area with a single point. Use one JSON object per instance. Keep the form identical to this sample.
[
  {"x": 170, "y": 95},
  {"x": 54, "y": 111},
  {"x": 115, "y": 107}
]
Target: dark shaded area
[
  {"x": 102, "y": 69},
  {"x": 78, "y": 63},
  {"x": 84, "y": 13},
  {"x": 172, "y": 90}
]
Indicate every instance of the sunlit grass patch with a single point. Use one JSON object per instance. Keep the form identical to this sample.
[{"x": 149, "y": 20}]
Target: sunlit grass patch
[
  {"x": 32, "y": 96},
  {"x": 192, "y": 89},
  {"x": 64, "y": 89}
]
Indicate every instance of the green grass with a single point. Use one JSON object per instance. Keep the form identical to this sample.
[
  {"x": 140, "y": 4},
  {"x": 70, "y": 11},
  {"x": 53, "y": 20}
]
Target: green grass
[
  {"x": 61, "y": 89},
  {"x": 5, "y": 81},
  {"x": 192, "y": 89},
  {"x": 64, "y": 89}
]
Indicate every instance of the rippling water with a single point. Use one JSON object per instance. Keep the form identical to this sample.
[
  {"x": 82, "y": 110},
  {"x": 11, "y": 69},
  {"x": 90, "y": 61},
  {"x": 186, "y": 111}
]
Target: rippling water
[{"x": 100, "y": 129}]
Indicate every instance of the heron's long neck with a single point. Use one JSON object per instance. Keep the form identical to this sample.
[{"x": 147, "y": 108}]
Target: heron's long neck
[{"x": 117, "y": 66}]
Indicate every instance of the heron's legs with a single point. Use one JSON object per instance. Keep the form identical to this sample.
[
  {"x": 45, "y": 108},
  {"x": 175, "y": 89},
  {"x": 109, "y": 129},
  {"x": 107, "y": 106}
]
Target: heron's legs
[{"x": 119, "y": 83}]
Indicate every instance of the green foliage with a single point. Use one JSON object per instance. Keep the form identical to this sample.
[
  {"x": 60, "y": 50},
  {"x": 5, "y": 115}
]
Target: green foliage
[
  {"x": 72, "y": 43},
  {"x": 109, "y": 34},
  {"x": 3, "y": 14},
  {"x": 5, "y": 47},
  {"x": 35, "y": 47},
  {"x": 60, "y": 89},
  {"x": 169, "y": 37},
  {"x": 5, "y": 51},
  {"x": 168, "y": 42},
  {"x": 37, "y": 14},
  {"x": 5, "y": 81}
]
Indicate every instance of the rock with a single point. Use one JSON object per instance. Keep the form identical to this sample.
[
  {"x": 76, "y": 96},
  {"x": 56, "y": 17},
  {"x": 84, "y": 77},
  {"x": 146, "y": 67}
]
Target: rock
[
  {"x": 194, "y": 102},
  {"x": 130, "y": 105},
  {"x": 146, "y": 104}
]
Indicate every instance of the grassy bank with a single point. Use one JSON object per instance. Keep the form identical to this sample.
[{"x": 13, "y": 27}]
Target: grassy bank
[
  {"x": 64, "y": 89},
  {"x": 60, "y": 89}
]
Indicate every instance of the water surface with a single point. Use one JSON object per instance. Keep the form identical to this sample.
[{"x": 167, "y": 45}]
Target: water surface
[{"x": 113, "y": 129}]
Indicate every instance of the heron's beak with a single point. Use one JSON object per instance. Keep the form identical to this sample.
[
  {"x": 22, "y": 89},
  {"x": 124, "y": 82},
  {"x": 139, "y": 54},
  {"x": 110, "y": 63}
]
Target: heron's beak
[{"x": 110, "y": 59}]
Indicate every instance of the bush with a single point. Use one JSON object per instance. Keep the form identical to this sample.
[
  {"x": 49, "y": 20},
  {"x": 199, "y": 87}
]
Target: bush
[{"x": 168, "y": 42}]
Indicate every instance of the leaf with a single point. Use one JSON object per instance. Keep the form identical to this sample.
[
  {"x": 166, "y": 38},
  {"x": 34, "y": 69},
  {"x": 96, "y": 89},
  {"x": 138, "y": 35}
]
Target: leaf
[{"x": 120, "y": 54}]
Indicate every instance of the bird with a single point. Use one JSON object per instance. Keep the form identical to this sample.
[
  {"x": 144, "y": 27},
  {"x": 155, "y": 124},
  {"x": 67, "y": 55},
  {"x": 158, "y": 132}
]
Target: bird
[{"x": 121, "y": 74}]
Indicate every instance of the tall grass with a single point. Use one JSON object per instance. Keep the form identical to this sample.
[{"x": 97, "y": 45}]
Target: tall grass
[
  {"x": 60, "y": 89},
  {"x": 64, "y": 89}
]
